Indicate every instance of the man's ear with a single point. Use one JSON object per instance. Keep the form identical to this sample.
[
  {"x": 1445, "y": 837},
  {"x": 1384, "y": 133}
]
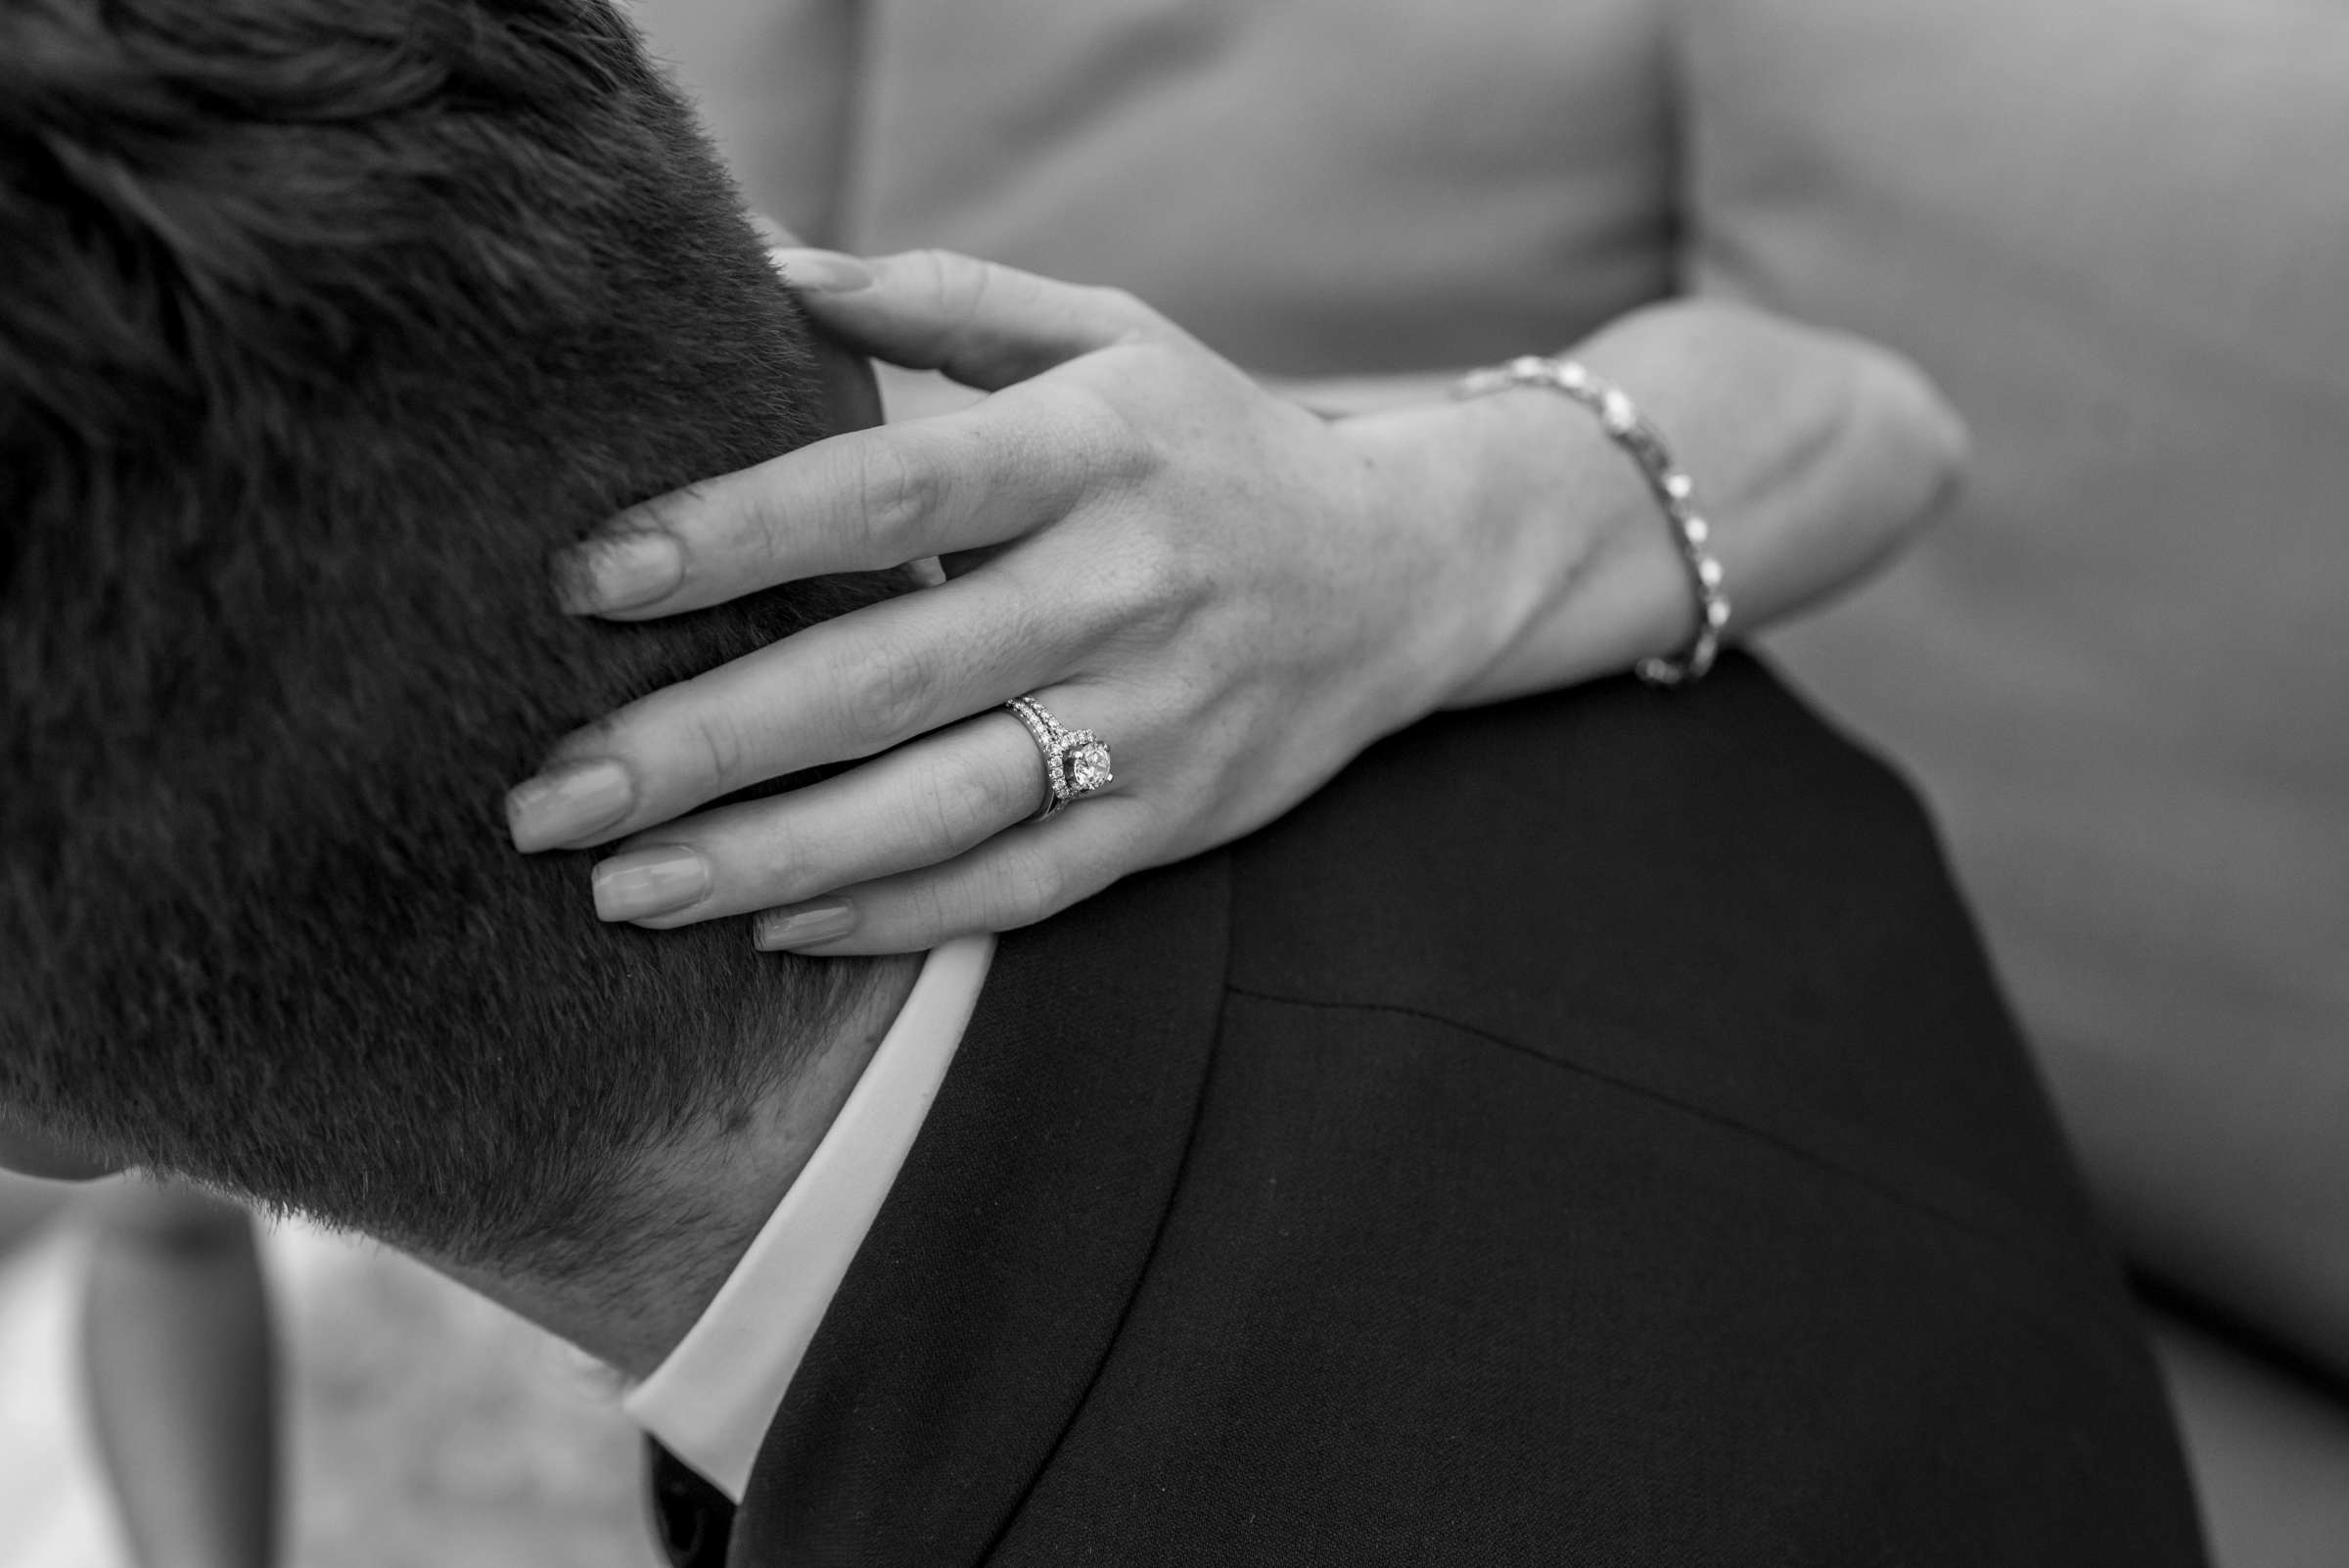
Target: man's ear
[{"x": 33, "y": 1153}]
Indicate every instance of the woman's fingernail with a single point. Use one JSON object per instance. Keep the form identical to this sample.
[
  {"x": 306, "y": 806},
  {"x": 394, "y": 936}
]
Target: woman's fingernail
[
  {"x": 567, "y": 803},
  {"x": 803, "y": 925},
  {"x": 825, "y": 271},
  {"x": 649, "y": 882},
  {"x": 617, "y": 573}
]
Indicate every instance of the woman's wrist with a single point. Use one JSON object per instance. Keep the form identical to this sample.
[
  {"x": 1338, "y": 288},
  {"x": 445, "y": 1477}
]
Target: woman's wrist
[
  {"x": 1820, "y": 454},
  {"x": 1815, "y": 455},
  {"x": 1508, "y": 508},
  {"x": 1523, "y": 498}
]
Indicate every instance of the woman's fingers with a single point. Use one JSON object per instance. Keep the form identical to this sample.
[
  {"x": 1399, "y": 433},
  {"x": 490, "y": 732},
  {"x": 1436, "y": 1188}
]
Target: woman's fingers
[
  {"x": 1014, "y": 879},
  {"x": 920, "y": 805},
  {"x": 864, "y": 501},
  {"x": 845, "y": 688},
  {"x": 983, "y": 324},
  {"x": 1139, "y": 518},
  {"x": 880, "y": 498}
]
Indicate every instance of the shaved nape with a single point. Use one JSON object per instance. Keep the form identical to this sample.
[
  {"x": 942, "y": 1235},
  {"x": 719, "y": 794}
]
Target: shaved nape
[{"x": 327, "y": 321}]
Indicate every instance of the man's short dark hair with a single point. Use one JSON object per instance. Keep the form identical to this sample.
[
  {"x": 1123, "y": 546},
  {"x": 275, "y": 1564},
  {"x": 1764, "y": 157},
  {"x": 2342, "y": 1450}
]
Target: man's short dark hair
[{"x": 324, "y": 321}]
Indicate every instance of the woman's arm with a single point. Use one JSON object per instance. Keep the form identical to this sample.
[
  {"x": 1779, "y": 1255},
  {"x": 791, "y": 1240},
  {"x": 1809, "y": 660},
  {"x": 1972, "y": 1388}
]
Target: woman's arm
[
  {"x": 1238, "y": 593},
  {"x": 1819, "y": 455}
]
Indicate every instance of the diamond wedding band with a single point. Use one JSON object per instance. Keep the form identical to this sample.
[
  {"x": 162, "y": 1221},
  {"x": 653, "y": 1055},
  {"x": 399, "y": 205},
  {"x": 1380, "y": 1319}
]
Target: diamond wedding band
[{"x": 1076, "y": 761}]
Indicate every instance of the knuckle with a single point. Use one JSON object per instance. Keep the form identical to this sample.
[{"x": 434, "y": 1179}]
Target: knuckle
[
  {"x": 886, "y": 693},
  {"x": 758, "y": 531},
  {"x": 1150, "y": 581},
  {"x": 1031, "y": 889},
  {"x": 957, "y": 808},
  {"x": 1166, "y": 570},
  {"x": 956, "y": 283},
  {"x": 935, "y": 264},
  {"x": 720, "y": 746},
  {"x": 788, "y": 866},
  {"x": 1124, "y": 306},
  {"x": 897, "y": 493},
  {"x": 1117, "y": 449},
  {"x": 939, "y": 911}
]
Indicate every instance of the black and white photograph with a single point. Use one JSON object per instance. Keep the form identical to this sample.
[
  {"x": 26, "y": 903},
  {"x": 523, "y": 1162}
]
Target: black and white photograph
[{"x": 1173, "y": 784}]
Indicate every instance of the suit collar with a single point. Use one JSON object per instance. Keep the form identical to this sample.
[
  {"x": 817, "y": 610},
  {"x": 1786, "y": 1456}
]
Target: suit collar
[
  {"x": 711, "y": 1402},
  {"x": 988, "y": 1293}
]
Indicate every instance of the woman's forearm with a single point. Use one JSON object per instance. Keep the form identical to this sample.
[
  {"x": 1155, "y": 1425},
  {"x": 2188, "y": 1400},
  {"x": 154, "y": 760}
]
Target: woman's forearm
[{"x": 1814, "y": 454}]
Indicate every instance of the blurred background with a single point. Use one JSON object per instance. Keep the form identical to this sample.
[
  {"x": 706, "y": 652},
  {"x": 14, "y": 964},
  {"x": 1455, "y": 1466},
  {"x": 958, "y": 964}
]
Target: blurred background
[{"x": 422, "y": 1427}]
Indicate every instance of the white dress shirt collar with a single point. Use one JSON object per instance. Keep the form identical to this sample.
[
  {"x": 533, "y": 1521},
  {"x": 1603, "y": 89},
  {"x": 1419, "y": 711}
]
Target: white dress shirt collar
[{"x": 711, "y": 1400}]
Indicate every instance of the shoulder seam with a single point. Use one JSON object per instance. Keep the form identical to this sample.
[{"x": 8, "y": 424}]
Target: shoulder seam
[{"x": 2037, "y": 1258}]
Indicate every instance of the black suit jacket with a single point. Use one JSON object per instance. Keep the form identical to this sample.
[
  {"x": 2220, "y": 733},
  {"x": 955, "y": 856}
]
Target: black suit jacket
[{"x": 1587, "y": 1132}]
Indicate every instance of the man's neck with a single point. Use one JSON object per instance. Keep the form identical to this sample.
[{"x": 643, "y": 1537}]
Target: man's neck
[{"x": 701, "y": 1204}]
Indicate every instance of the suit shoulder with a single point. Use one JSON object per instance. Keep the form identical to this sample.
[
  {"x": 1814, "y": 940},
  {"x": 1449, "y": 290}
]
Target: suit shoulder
[
  {"x": 1711, "y": 895},
  {"x": 1600, "y": 838}
]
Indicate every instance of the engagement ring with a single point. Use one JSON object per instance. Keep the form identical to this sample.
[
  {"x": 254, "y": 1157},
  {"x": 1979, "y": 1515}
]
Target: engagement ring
[{"x": 1076, "y": 761}]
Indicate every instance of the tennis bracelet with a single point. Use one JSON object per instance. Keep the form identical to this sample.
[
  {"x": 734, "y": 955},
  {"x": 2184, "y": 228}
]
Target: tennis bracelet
[{"x": 1630, "y": 430}]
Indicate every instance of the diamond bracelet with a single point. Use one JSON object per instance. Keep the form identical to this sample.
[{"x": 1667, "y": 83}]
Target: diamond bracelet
[{"x": 1630, "y": 430}]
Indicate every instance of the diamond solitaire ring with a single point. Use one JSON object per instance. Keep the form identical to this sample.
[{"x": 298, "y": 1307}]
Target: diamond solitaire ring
[{"x": 1076, "y": 761}]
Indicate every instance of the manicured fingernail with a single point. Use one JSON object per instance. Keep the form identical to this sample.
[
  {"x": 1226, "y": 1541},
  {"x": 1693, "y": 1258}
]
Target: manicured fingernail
[
  {"x": 826, "y": 271},
  {"x": 803, "y": 925},
  {"x": 567, "y": 803},
  {"x": 649, "y": 882},
  {"x": 618, "y": 572}
]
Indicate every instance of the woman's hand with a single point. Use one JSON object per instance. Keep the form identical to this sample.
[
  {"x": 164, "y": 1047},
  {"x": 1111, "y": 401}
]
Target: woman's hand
[{"x": 1237, "y": 594}]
